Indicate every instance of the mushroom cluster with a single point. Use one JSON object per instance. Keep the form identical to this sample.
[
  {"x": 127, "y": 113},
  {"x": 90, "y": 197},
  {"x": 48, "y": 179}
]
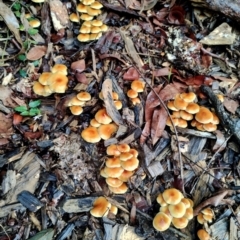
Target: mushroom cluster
[
  {"x": 174, "y": 209},
  {"x": 184, "y": 108},
  {"x": 137, "y": 86},
  {"x": 91, "y": 29},
  {"x": 203, "y": 234},
  {"x": 206, "y": 215},
  {"x": 120, "y": 165},
  {"x": 55, "y": 81},
  {"x": 117, "y": 102},
  {"x": 101, "y": 127},
  {"x": 77, "y": 102},
  {"x": 101, "y": 208}
]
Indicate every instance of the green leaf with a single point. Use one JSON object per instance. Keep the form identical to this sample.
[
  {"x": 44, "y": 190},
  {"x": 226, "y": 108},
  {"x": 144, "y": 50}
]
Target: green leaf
[
  {"x": 25, "y": 113},
  {"x": 21, "y": 27},
  {"x": 17, "y": 14},
  {"x": 34, "y": 104},
  {"x": 22, "y": 73},
  {"x": 36, "y": 63},
  {"x": 16, "y": 6},
  {"x": 32, "y": 31},
  {"x": 20, "y": 109},
  {"x": 34, "y": 112},
  {"x": 21, "y": 57},
  {"x": 46, "y": 234}
]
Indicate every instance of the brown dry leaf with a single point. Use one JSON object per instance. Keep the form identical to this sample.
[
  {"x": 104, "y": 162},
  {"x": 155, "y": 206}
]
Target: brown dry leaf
[
  {"x": 109, "y": 104},
  {"x": 230, "y": 105},
  {"x": 158, "y": 124},
  {"x": 79, "y": 65},
  {"x": 59, "y": 14},
  {"x": 5, "y": 126},
  {"x": 36, "y": 53},
  {"x": 11, "y": 21},
  {"x": 176, "y": 15},
  {"x": 131, "y": 74},
  {"x": 221, "y": 143},
  {"x": 167, "y": 71},
  {"x": 81, "y": 77}
]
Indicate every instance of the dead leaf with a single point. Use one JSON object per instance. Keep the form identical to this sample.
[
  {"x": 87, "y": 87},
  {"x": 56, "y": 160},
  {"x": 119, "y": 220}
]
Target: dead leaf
[
  {"x": 230, "y": 105},
  {"x": 32, "y": 135},
  {"x": 11, "y": 21},
  {"x": 158, "y": 124},
  {"x": 162, "y": 72},
  {"x": 6, "y": 129},
  {"x": 59, "y": 14},
  {"x": 81, "y": 77},
  {"x": 131, "y": 74},
  {"x": 176, "y": 15},
  {"x": 79, "y": 65},
  {"x": 221, "y": 143},
  {"x": 36, "y": 53}
]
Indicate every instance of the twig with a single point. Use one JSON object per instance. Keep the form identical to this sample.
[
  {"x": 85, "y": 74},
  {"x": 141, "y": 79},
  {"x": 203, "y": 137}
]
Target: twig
[{"x": 5, "y": 231}]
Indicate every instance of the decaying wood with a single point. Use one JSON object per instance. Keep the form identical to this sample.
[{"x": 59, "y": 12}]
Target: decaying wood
[{"x": 230, "y": 8}]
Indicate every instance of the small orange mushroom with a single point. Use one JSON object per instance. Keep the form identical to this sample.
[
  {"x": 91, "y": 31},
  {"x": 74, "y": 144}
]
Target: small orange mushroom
[
  {"x": 161, "y": 222},
  {"x": 59, "y": 68},
  {"x": 172, "y": 196},
  {"x": 91, "y": 135},
  {"x": 101, "y": 207}
]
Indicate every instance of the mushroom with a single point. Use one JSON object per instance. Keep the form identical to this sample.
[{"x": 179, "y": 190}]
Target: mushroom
[
  {"x": 189, "y": 213},
  {"x": 113, "y": 162},
  {"x": 61, "y": 68},
  {"x": 137, "y": 85},
  {"x": 86, "y": 17},
  {"x": 81, "y": 8},
  {"x": 76, "y": 110},
  {"x": 131, "y": 93},
  {"x": 118, "y": 105},
  {"x": 210, "y": 127},
  {"x": 96, "y": 5},
  {"x": 43, "y": 79},
  {"x": 174, "y": 121},
  {"x": 186, "y": 202},
  {"x": 188, "y": 97},
  {"x": 204, "y": 115},
  {"x": 131, "y": 164},
  {"x": 125, "y": 156},
  {"x": 179, "y": 103},
  {"x": 34, "y": 23},
  {"x": 113, "y": 182},
  {"x": 135, "y": 101},
  {"x": 161, "y": 222},
  {"x": 200, "y": 218},
  {"x": 119, "y": 190},
  {"x": 171, "y": 106},
  {"x": 107, "y": 130},
  {"x": 220, "y": 97},
  {"x": 102, "y": 117},
  {"x": 83, "y": 37},
  {"x": 95, "y": 123},
  {"x": 74, "y": 17},
  {"x": 182, "y": 123},
  {"x": 91, "y": 135},
  {"x": 178, "y": 210},
  {"x": 165, "y": 210},
  {"x": 185, "y": 115},
  {"x": 85, "y": 29},
  {"x": 84, "y": 96},
  {"x": 39, "y": 89},
  {"x": 134, "y": 152},
  {"x": 58, "y": 82},
  {"x": 113, "y": 150},
  {"x": 87, "y": 2},
  {"x": 192, "y": 108},
  {"x": 113, "y": 210},
  {"x": 203, "y": 235},
  {"x": 180, "y": 223},
  {"x": 172, "y": 196},
  {"x": 123, "y": 147},
  {"x": 101, "y": 207},
  {"x": 161, "y": 201},
  {"x": 125, "y": 175},
  {"x": 93, "y": 12},
  {"x": 103, "y": 174},
  {"x": 113, "y": 172},
  {"x": 75, "y": 102}
]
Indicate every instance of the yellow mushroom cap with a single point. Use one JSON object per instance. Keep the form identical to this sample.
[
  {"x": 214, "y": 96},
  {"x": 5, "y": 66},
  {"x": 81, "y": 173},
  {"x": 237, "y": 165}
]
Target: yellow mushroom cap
[
  {"x": 43, "y": 79},
  {"x": 131, "y": 164},
  {"x": 180, "y": 223},
  {"x": 113, "y": 172},
  {"x": 189, "y": 213},
  {"x": 161, "y": 201},
  {"x": 125, "y": 156},
  {"x": 200, "y": 218},
  {"x": 34, "y": 23},
  {"x": 186, "y": 202},
  {"x": 75, "y": 102},
  {"x": 103, "y": 174},
  {"x": 118, "y": 105},
  {"x": 185, "y": 115},
  {"x": 101, "y": 207},
  {"x": 83, "y": 37},
  {"x": 215, "y": 119},
  {"x": 179, "y": 103},
  {"x": 38, "y": 1},
  {"x": 161, "y": 222},
  {"x": 58, "y": 82},
  {"x": 138, "y": 85},
  {"x": 84, "y": 96},
  {"x": 119, "y": 190},
  {"x": 220, "y": 97},
  {"x": 191, "y": 202},
  {"x": 90, "y": 134},
  {"x": 172, "y": 196},
  {"x": 85, "y": 29},
  {"x": 165, "y": 210},
  {"x": 95, "y": 29},
  {"x": 107, "y": 130},
  {"x": 125, "y": 175},
  {"x": 135, "y": 101},
  {"x": 95, "y": 123},
  {"x": 210, "y": 127},
  {"x": 86, "y": 17},
  {"x": 61, "y": 68},
  {"x": 47, "y": 91},
  {"x": 95, "y": 36},
  {"x": 81, "y": 8},
  {"x": 74, "y": 17},
  {"x": 87, "y": 2},
  {"x": 174, "y": 120},
  {"x": 114, "y": 210},
  {"x": 102, "y": 117},
  {"x": 123, "y": 147},
  {"x": 113, "y": 182},
  {"x": 203, "y": 235},
  {"x": 104, "y": 27},
  {"x": 171, "y": 106},
  {"x": 207, "y": 211},
  {"x": 38, "y": 88},
  {"x": 93, "y": 12},
  {"x": 188, "y": 97},
  {"x": 87, "y": 23},
  {"x": 208, "y": 218},
  {"x": 97, "y": 23},
  {"x": 113, "y": 162},
  {"x": 76, "y": 110},
  {"x": 182, "y": 123},
  {"x": 204, "y": 115},
  {"x": 176, "y": 114},
  {"x": 134, "y": 152},
  {"x": 192, "y": 108},
  {"x": 178, "y": 210},
  {"x": 112, "y": 150},
  {"x": 96, "y": 5},
  {"x": 131, "y": 93}
]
